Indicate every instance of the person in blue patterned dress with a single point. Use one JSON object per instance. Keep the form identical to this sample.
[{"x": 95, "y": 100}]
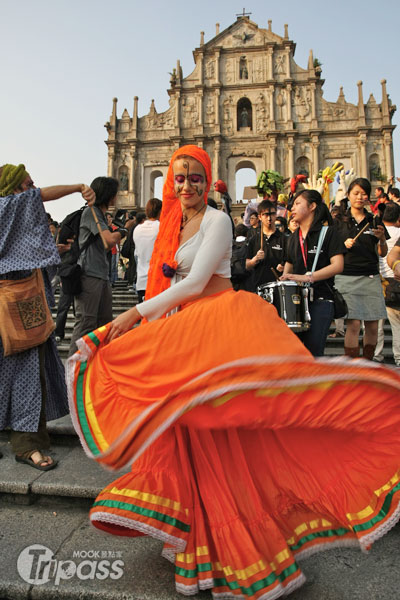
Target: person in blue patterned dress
[{"x": 32, "y": 389}]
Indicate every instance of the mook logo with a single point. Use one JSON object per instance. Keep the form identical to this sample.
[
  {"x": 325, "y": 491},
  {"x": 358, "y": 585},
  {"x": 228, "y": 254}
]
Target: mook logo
[{"x": 37, "y": 565}]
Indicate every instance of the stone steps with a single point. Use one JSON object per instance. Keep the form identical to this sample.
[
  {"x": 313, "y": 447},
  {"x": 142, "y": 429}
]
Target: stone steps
[{"x": 123, "y": 299}]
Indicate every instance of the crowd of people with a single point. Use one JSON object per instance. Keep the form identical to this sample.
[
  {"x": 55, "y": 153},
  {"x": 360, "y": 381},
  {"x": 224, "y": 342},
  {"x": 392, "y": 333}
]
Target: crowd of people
[{"x": 246, "y": 452}]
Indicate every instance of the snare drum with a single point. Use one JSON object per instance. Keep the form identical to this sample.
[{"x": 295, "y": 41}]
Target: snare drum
[{"x": 290, "y": 300}]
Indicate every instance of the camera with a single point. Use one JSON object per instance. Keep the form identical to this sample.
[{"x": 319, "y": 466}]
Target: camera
[
  {"x": 377, "y": 220},
  {"x": 119, "y": 218}
]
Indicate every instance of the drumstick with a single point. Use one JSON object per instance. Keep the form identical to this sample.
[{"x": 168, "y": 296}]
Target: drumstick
[
  {"x": 99, "y": 228},
  {"x": 360, "y": 232},
  {"x": 275, "y": 272},
  {"x": 262, "y": 237}
]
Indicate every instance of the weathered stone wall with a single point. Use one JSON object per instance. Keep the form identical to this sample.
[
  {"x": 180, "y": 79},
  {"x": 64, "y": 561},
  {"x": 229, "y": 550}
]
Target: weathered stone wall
[{"x": 249, "y": 104}]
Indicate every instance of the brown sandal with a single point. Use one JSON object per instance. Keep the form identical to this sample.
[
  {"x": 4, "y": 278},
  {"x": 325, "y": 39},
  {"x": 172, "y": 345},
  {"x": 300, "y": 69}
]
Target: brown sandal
[
  {"x": 336, "y": 334},
  {"x": 27, "y": 460}
]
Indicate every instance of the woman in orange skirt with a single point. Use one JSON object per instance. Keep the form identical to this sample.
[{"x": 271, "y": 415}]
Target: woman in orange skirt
[{"x": 247, "y": 454}]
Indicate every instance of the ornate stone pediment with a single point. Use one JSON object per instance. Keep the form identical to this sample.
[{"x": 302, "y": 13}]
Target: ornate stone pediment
[{"x": 244, "y": 33}]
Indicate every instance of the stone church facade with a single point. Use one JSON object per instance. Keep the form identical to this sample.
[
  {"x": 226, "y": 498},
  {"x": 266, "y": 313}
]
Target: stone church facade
[{"x": 250, "y": 105}]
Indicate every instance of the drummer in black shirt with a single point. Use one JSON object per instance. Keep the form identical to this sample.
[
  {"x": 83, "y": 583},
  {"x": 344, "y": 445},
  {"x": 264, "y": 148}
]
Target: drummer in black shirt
[
  {"x": 310, "y": 212},
  {"x": 265, "y": 249}
]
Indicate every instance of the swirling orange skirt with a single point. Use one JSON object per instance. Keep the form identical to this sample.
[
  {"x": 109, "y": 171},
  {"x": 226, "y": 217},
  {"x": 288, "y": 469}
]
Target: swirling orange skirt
[{"x": 247, "y": 453}]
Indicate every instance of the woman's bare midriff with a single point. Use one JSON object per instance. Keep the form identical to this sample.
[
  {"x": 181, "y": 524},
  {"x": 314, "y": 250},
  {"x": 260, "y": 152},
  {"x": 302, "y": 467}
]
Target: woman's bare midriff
[{"x": 215, "y": 285}]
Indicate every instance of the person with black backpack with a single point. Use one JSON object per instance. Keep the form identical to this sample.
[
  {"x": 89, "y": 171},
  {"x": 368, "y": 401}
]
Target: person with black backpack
[
  {"x": 93, "y": 304},
  {"x": 241, "y": 278}
]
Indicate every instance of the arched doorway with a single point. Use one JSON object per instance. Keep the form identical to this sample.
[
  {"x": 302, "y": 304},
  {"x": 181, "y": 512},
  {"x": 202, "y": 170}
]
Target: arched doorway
[
  {"x": 245, "y": 179},
  {"x": 156, "y": 184}
]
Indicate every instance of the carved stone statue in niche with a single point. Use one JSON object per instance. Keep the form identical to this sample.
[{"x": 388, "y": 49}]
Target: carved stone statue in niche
[
  {"x": 243, "y": 70},
  {"x": 302, "y": 103},
  {"x": 262, "y": 113},
  {"x": 210, "y": 70},
  {"x": 280, "y": 64},
  {"x": 229, "y": 71},
  {"x": 189, "y": 111},
  {"x": 123, "y": 182},
  {"x": 258, "y": 70},
  {"x": 210, "y": 110},
  {"x": 244, "y": 117},
  {"x": 227, "y": 116},
  {"x": 281, "y": 102}
]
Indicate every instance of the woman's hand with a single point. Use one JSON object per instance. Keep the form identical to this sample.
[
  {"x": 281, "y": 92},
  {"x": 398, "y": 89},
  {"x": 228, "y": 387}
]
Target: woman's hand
[
  {"x": 88, "y": 194},
  {"x": 349, "y": 243},
  {"x": 122, "y": 324}
]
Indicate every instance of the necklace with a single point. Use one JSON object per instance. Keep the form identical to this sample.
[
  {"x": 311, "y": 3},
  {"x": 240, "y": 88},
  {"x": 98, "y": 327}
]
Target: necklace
[{"x": 185, "y": 220}]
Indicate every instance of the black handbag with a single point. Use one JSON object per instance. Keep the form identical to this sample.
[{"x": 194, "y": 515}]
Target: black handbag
[
  {"x": 340, "y": 305},
  {"x": 340, "y": 308}
]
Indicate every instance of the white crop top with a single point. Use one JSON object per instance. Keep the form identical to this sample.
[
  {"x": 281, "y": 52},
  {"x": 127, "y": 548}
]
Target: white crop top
[{"x": 205, "y": 254}]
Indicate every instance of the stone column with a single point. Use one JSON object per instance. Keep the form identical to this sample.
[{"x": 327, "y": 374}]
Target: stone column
[
  {"x": 289, "y": 103},
  {"x": 177, "y": 110},
  {"x": 201, "y": 61},
  {"x": 314, "y": 123},
  {"x": 290, "y": 161},
  {"x": 315, "y": 155},
  {"x": 110, "y": 162},
  {"x": 272, "y": 153},
  {"x": 113, "y": 119},
  {"x": 385, "y": 104},
  {"x": 217, "y": 59},
  {"x": 216, "y": 108},
  {"x": 132, "y": 172},
  {"x": 271, "y": 107},
  {"x": 200, "y": 102},
  {"x": 216, "y": 163},
  {"x": 362, "y": 144},
  {"x": 287, "y": 62},
  {"x": 270, "y": 74},
  {"x": 135, "y": 115},
  {"x": 387, "y": 144},
  {"x": 361, "y": 109}
]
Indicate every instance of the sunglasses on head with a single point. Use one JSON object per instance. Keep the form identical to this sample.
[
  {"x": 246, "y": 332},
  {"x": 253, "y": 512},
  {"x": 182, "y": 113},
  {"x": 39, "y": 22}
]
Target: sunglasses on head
[{"x": 193, "y": 179}]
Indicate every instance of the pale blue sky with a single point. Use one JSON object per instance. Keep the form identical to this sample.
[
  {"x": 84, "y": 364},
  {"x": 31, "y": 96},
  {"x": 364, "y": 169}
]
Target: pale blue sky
[{"x": 63, "y": 61}]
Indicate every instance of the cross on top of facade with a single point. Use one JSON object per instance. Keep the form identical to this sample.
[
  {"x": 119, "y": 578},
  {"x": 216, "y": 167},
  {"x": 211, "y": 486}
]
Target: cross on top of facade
[{"x": 244, "y": 14}]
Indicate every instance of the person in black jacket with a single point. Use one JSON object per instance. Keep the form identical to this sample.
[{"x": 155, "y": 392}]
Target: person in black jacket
[{"x": 310, "y": 212}]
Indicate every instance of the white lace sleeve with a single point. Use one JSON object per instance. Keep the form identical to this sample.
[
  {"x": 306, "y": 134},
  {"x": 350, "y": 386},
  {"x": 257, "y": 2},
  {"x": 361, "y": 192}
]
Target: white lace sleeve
[{"x": 217, "y": 241}]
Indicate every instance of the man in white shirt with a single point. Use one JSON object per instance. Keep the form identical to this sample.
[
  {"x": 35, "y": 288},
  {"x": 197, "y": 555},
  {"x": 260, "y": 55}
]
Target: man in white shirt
[
  {"x": 391, "y": 220},
  {"x": 144, "y": 237}
]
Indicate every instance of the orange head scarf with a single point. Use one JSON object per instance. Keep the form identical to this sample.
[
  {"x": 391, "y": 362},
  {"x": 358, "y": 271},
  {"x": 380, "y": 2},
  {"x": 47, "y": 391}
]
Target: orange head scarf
[{"x": 167, "y": 241}]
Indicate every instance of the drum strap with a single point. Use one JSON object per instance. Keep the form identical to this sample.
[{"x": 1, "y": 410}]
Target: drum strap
[{"x": 321, "y": 238}]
